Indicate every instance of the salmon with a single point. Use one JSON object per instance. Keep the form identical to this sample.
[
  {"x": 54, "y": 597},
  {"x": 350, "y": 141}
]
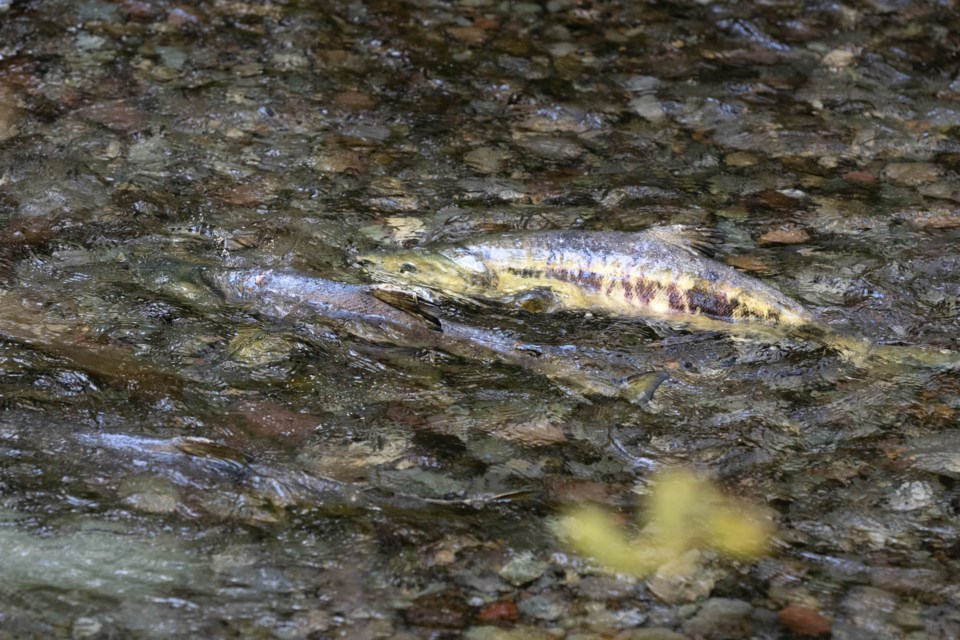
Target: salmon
[
  {"x": 657, "y": 274},
  {"x": 397, "y": 317}
]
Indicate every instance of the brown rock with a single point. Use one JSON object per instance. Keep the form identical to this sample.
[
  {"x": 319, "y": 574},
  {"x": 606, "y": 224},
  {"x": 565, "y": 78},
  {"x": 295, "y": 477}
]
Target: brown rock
[
  {"x": 944, "y": 217},
  {"x": 467, "y": 35},
  {"x": 118, "y": 115},
  {"x": 772, "y": 199},
  {"x": 740, "y": 159},
  {"x": 786, "y": 234},
  {"x": 354, "y": 100},
  {"x": 499, "y": 611},
  {"x": 912, "y": 173},
  {"x": 140, "y": 10},
  {"x": 398, "y": 412},
  {"x": 803, "y": 621},
  {"x": 9, "y": 113},
  {"x": 860, "y": 176},
  {"x": 446, "y": 610},
  {"x": 243, "y": 195},
  {"x": 267, "y": 419},
  {"x": 749, "y": 263},
  {"x": 534, "y": 433}
]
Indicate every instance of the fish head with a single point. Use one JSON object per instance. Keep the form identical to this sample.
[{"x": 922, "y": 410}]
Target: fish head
[{"x": 453, "y": 270}]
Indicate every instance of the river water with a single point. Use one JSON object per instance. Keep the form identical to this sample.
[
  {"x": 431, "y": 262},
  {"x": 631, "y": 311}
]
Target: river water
[{"x": 174, "y": 465}]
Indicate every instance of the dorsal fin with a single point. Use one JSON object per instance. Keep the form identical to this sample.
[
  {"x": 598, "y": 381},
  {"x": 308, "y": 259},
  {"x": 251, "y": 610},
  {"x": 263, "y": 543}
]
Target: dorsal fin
[
  {"x": 695, "y": 240},
  {"x": 411, "y": 304}
]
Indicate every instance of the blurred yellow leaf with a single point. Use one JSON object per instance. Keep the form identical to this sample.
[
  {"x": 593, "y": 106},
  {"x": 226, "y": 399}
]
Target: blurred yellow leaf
[{"x": 683, "y": 513}]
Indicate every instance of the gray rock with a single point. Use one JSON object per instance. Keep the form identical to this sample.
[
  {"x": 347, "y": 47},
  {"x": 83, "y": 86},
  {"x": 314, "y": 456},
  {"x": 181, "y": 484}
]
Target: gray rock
[
  {"x": 683, "y": 579},
  {"x": 941, "y": 622},
  {"x": 721, "y": 619},
  {"x": 522, "y": 569},
  {"x": 870, "y": 609},
  {"x": 910, "y": 496},
  {"x": 647, "y": 107},
  {"x": 548, "y": 605},
  {"x": 655, "y": 633}
]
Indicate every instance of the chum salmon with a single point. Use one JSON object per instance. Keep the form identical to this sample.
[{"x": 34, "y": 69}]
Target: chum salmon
[{"x": 655, "y": 274}]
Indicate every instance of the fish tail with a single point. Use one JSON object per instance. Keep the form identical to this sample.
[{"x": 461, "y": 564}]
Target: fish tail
[
  {"x": 866, "y": 354},
  {"x": 919, "y": 357}
]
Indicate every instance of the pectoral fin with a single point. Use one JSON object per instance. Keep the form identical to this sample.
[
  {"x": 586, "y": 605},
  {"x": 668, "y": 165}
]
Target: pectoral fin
[
  {"x": 639, "y": 388},
  {"x": 537, "y": 300},
  {"x": 411, "y": 304}
]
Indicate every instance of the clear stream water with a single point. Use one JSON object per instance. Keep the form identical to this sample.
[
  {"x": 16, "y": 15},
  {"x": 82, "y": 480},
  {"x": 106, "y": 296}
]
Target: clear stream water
[{"x": 172, "y": 465}]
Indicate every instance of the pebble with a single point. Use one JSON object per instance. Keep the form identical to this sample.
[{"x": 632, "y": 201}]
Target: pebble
[
  {"x": 786, "y": 234},
  {"x": 911, "y": 496},
  {"x": 934, "y": 217},
  {"x": 941, "y": 622},
  {"x": 467, "y": 35},
  {"x": 910, "y": 580},
  {"x": 499, "y": 611},
  {"x": 149, "y": 495},
  {"x": 547, "y": 605},
  {"x": 683, "y": 579},
  {"x": 601, "y": 617},
  {"x": 869, "y": 608},
  {"x": 803, "y": 621},
  {"x": 912, "y": 173},
  {"x": 522, "y": 569},
  {"x": 647, "y": 107},
  {"x": 10, "y": 113},
  {"x": 561, "y": 49},
  {"x": 721, "y": 619},
  {"x": 839, "y": 58},
  {"x": 551, "y": 148},
  {"x": 444, "y": 610},
  {"x": 653, "y": 633},
  {"x": 740, "y": 159},
  {"x": 485, "y": 159},
  {"x": 85, "y": 628},
  {"x": 520, "y": 632},
  {"x": 604, "y": 587},
  {"x": 641, "y": 84},
  {"x": 939, "y": 453}
]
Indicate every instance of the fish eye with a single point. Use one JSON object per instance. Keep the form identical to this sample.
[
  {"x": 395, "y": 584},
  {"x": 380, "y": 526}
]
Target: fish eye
[{"x": 408, "y": 267}]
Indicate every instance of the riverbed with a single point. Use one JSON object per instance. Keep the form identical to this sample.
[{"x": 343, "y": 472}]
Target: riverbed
[{"x": 175, "y": 465}]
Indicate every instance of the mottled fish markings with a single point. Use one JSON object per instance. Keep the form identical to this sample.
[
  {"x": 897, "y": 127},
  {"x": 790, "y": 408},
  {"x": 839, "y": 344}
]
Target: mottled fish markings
[
  {"x": 640, "y": 291},
  {"x": 652, "y": 273},
  {"x": 585, "y": 278},
  {"x": 525, "y": 273}
]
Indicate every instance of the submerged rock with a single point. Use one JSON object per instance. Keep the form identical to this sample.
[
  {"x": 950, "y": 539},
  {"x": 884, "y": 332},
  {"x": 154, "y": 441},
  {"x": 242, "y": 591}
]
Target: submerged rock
[{"x": 721, "y": 619}]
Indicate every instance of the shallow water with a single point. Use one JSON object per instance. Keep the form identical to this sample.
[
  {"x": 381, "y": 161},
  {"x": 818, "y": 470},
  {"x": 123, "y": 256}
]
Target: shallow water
[{"x": 175, "y": 465}]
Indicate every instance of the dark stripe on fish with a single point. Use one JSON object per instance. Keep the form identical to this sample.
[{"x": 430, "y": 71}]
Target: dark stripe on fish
[
  {"x": 676, "y": 299},
  {"x": 712, "y": 304},
  {"x": 719, "y": 305},
  {"x": 525, "y": 273},
  {"x": 645, "y": 290},
  {"x": 641, "y": 291},
  {"x": 586, "y": 279}
]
